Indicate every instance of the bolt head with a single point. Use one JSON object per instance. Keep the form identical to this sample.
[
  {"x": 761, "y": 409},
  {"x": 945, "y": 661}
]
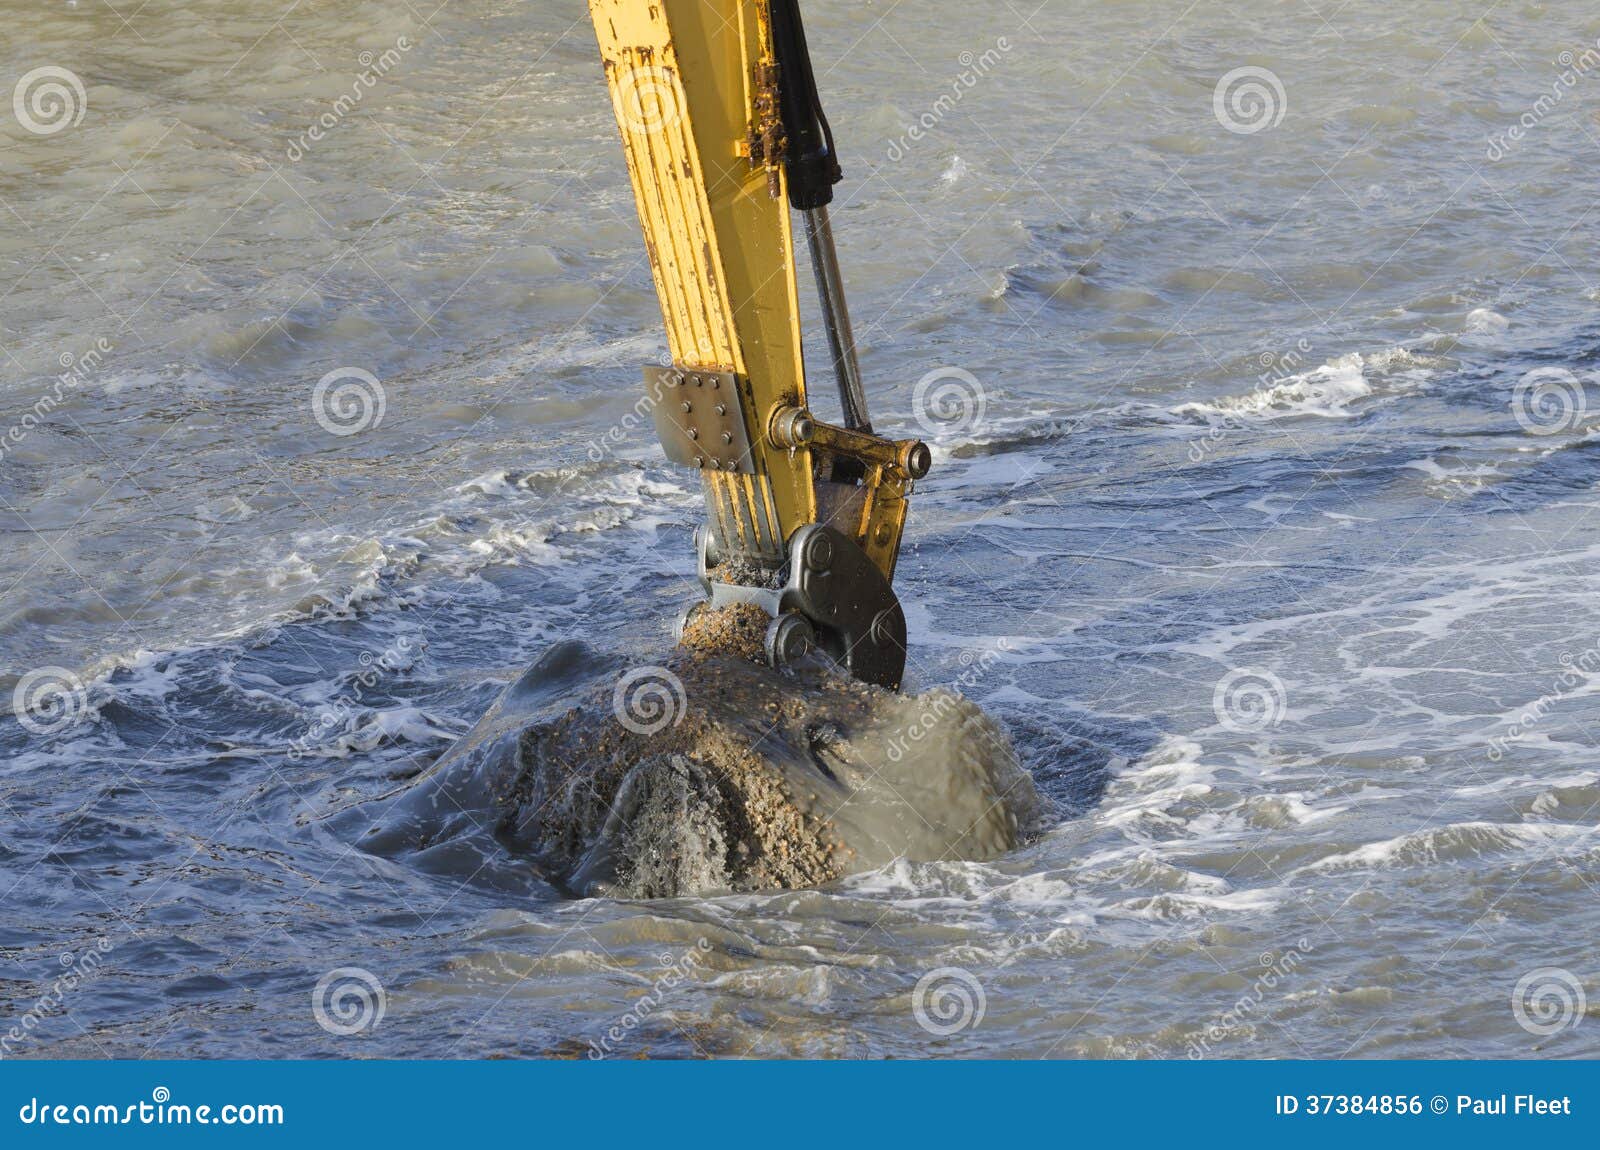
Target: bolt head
[
  {"x": 788, "y": 638},
  {"x": 819, "y": 552}
]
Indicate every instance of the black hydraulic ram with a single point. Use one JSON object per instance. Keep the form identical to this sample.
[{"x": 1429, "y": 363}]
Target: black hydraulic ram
[{"x": 812, "y": 168}]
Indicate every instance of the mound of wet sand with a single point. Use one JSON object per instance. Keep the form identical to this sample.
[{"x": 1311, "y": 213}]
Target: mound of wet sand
[{"x": 707, "y": 771}]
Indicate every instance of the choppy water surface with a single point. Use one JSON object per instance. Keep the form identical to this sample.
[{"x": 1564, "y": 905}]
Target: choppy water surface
[{"x": 1282, "y": 584}]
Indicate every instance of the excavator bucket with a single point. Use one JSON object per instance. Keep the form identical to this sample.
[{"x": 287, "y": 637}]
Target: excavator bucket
[{"x": 724, "y": 137}]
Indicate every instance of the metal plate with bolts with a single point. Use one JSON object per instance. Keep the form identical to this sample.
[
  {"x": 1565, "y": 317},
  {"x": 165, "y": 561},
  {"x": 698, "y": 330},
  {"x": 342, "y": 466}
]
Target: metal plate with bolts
[{"x": 700, "y": 418}]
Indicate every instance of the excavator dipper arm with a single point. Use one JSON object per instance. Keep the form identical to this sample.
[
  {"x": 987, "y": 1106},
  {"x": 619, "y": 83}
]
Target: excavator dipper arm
[{"x": 723, "y": 134}]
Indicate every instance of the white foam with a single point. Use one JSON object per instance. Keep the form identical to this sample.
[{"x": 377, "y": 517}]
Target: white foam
[
  {"x": 1167, "y": 906},
  {"x": 1144, "y": 791},
  {"x": 368, "y": 730},
  {"x": 1325, "y": 392},
  {"x": 1482, "y": 321},
  {"x": 1444, "y": 844}
]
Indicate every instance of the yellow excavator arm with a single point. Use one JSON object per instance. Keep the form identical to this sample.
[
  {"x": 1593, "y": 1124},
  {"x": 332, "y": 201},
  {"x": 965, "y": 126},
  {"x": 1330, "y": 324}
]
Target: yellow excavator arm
[{"x": 724, "y": 135}]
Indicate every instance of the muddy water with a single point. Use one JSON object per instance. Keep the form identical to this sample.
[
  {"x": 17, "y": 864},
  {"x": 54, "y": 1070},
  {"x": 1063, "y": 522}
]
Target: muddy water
[{"x": 1247, "y": 524}]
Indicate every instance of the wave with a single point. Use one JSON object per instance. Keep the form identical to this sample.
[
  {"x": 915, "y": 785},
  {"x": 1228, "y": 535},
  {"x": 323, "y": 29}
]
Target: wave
[
  {"x": 1327, "y": 391},
  {"x": 1454, "y": 843}
]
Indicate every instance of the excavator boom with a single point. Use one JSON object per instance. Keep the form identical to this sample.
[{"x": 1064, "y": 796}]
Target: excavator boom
[{"x": 723, "y": 134}]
